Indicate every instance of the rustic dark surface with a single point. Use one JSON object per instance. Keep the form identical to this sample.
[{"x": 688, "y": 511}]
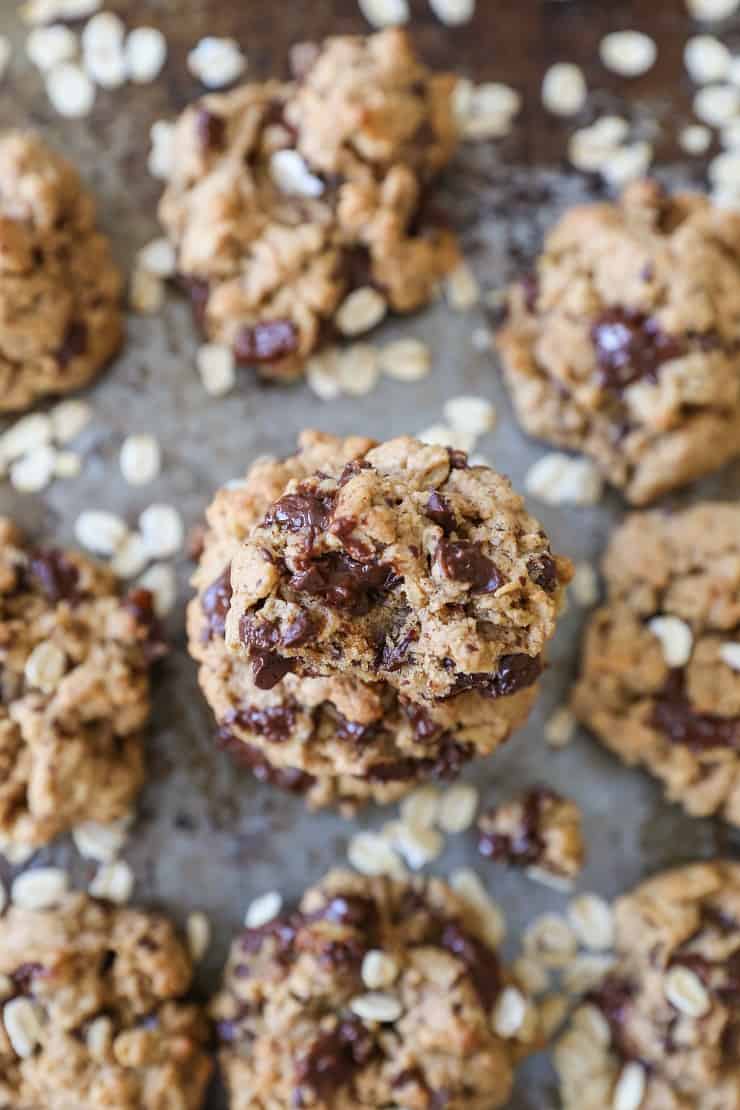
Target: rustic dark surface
[{"x": 207, "y": 835}]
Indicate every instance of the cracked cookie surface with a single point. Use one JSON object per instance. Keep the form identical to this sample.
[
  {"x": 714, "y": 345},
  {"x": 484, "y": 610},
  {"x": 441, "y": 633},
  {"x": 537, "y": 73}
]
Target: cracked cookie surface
[
  {"x": 75, "y": 654},
  {"x": 336, "y": 737},
  {"x": 60, "y": 313},
  {"x": 92, "y": 1011},
  {"x": 540, "y": 830},
  {"x": 625, "y": 342},
  {"x": 293, "y": 1027},
  {"x": 660, "y": 679},
  {"x": 296, "y": 209},
  {"x": 668, "y": 1014}
]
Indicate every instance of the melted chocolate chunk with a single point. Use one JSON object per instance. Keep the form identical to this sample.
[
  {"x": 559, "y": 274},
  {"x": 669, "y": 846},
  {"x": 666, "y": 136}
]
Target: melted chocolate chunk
[
  {"x": 438, "y": 510},
  {"x": 57, "y": 576},
  {"x": 24, "y": 975},
  {"x": 140, "y": 603},
  {"x": 198, "y": 291},
  {"x": 458, "y": 459},
  {"x": 515, "y": 672},
  {"x": 392, "y": 656},
  {"x": 674, "y": 715},
  {"x": 447, "y": 764},
  {"x": 356, "y": 267},
  {"x": 301, "y": 512},
  {"x": 356, "y": 466},
  {"x": 274, "y": 722},
  {"x": 281, "y": 930},
  {"x": 352, "y": 910},
  {"x": 345, "y": 583},
  {"x": 481, "y": 961},
  {"x": 332, "y": 1061},
  {"x": 424, "y": 727},
  {"x": 463, "y": 561},
  {"x": 544, "y": 572},
  {"x": 285, "y": 778},
  {"x": 524, "y": 847},
  {"x": 268, "y": 341},
  {"x": 210, "y": 129},
  {"x": 262, "y": 638},
  {"x": 613, "y": 998},
  {"x": 74, "y": 343},
  {"x": 355, "y": 731},
  {"x": 629, "y": 346},
  {"x": 299, "y": 631},
  {"x": 215, "y": 602}
]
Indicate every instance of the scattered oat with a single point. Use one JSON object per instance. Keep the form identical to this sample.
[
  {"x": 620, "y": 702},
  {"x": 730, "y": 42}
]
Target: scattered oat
[
  {"x": 564, "y": 89},
  {"x": 585, "y": 973},
  {"x": 131, "y": 556},
  {"x": 159, "y": 162},
  {"x": 68, "y": 419},
  {"x": 362, "y": 310},
  {"x": 453, "y": 12},
  {"x": 46, "y": 11},
  {"x": 217, "y": 368},
  {"x": 103, "y": 843},
  {"x": 729, "y": 653},
  {"x": 420, "y": 808},
  {"x": 628, "y": 53},
  {"x": 370, "y": 854},
  {"x": 141, "y": 460},
  {"x": 592, "y": 921},
  {"x": 461, "y": 288},
  {"x": 27, "y": 434},
  {"x": 532, "y": 975},
  {"x": 695, "y": 139},
  {"x": 50, "y": 46},
  {"x": 67, "y": 464},
  {"x": 418, "y": 845},
  {"x": 322, "y": 375},
  {"x": 39, "y": 889},
  {"x": 485, "y": 111},
  {"x": 676, "y": 639},
  {"x": 376, "y": 1006},
  {"x": 474, "y": 415},
  {"x": 591, "y": 1021},
  {"x": 198, "y": 933},
  {"x": 385, "y": 13},
  {"x": 292, "y": 176},
  {"x": 406, "y": 360},
  {"x": 457, "y": 808},
  {"x": 553, "y": 1011},
  {"x": 102, "y": 50},
  {"x": 550, "y": 940},
  {"x": 358, "y": 369},
  {"x": 590, "y": 147},
  {"x": 99, "y": 1038},
  {"x": 584, "y": 586},
  {"x": 263, "y": 909},
  {"x": 482, "y": 339},
  {"x": 468, "y": 886},
  {"x": 706, "y": 59},
  {"x": 161, "y": 581},
  {"x": 379, "y": 970},
  {"x": 627, "y": 164},
  {"x": 113, "y": 882},
  {"x": 685, "y": 990},
  {"x": 34, "y": 471},
  {"x": 146, "y": 292},
  {"x": 560, "y": 727},
  {"x": 712, "y": 9},
  {"x": 22, "y": 1021},
  {"x": 45, "y": 666},
  {"x": 724, "y": 170},
  {"x": 559, "y": 479},
  {"x": 216, "y": 62},
  {"x": 509, "y": 1012},
  {"x": 100, "y": 531},
  {"x": 16, "y": 854},
  {"x": 146, "y": 54},
  {"x": 158, "y": 258},
  {"x": 444, "y": 436},
  {"x": 717, "y": 104},
  {"x": 630, "y": 1089},
  {"x": 162, "y": 529}
]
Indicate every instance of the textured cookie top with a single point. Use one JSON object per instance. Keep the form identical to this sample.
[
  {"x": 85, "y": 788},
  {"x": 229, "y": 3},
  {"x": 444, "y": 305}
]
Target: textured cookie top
[
  {"x": 539, "y": 830},
  {"x": 300, "y": 1026},
  {"x": 59, "y": 289},
  {"x": 660, "y": 679},
  {"x": 75, "y": 657},
  {"x": 333, "y": 735},
  {"x": 625, "y": 341},
  {"x": 91, "y": 1011},
  {"x": 407, "y": 565},
  {"x": 285, "y": 198},
  {"x": 672, "y": 1003}
]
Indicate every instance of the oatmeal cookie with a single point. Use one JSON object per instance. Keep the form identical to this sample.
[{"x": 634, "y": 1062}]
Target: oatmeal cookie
[
  {"x": 660, "y": 674},
  {"x": 60, "y": 313},
  {"x": 93, "y": 1014},
  {"x": 665, "y": 1024},
  {"x": 406, "y": 565},
  {"x": 376, "y": 992},
  {"x": 336, "y": 737},
  {"x": 74, "y": 666},
  {"x": 298, "y": 210},
  {"x": 625, "y": 342},
  {"x": 540, "y": 831}
]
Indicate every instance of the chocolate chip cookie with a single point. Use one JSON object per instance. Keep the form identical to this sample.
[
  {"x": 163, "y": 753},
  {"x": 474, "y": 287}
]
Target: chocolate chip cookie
[
  {"x": 299, "y": 210},
  {"x": 660, "y": 674},
  {"x": 75, "y": 655},
  {"x": 60, "y": 314},
  {"x": 625, "y": 341},
  {"x": 661, "y": 1032},
  {"x": 338, "y": 737},
  {"x": 376, "y": 992},
  {"x": 539, "y": 831},
  {"x": 92, "y": 1011}
]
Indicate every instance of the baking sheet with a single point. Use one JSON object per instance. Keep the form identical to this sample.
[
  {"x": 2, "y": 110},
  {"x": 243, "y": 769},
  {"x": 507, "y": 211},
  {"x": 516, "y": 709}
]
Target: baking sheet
[{"x": 208, "y": 836}]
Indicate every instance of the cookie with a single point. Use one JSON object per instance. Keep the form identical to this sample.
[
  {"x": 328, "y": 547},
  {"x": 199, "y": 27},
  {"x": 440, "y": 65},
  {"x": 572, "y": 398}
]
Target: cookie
[
  {"x": 624, "y": 343},
  {"x": 661, "y": 1032},
  {"x": 298, "y": 210},
  {"x": 540, "y": 831},
  {"x": 660, "y": 674},
  {"x": 93, "y": 1011},
  {"x": 338, "y": 738},
  {"x": 60, "y": 292},
  {"x": 406, "y": 565},
  {"x": 376, "y": 992},
  {"x": 75, "y": 655}
]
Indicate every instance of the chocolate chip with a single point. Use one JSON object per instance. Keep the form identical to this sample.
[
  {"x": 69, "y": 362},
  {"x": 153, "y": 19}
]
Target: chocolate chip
[
  {"x": 285, "y": 778},
  {"x": 303, "y": 511},
  {"x": 269, "y": 668},
  {"x": 458, "y": 459},
  {"x": 356, "y": 267},
  {"x": 299, "y": 631},
  {"x": 215, "y": 602},
  {"x": 447, "y": 764},
  {"x": 262, "y": 638},
  {"x": 198, "y": 291},
  {"x": 629, "y": 346},
  {"x": 210, "y": 129},
  {"x": 282, "y": 931},
  {"x": 274, "y": 722},
  {"x": 425, "y": 728},
  {"x": 513, "y": 674},
  {"x": 526, "y": 845},
  {"x": 544, "y": 572},
  {"x": 332, "y": 1061},
  {"x": 24, "y": 975},
  {"x": 464, "y": 561},
  {"x": 674, "y": 715},
  {"x": 268, "y": 341},
  {"x": 360, "y": 734},
  {"x": 352, "y": 910},
  {"x": 56, "y": 575},
  {"x": 391, "y": 656},
  {"x": 438, "y": 510},
  {"x": 480, "y": 960},
  {"x": 613, "y": 998},
  {"x": 356, "y": 466},
  {"x": 140, "y": 604},
  {"x": 74, "y": 343},
  {"x": 345, "y": 583}
]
